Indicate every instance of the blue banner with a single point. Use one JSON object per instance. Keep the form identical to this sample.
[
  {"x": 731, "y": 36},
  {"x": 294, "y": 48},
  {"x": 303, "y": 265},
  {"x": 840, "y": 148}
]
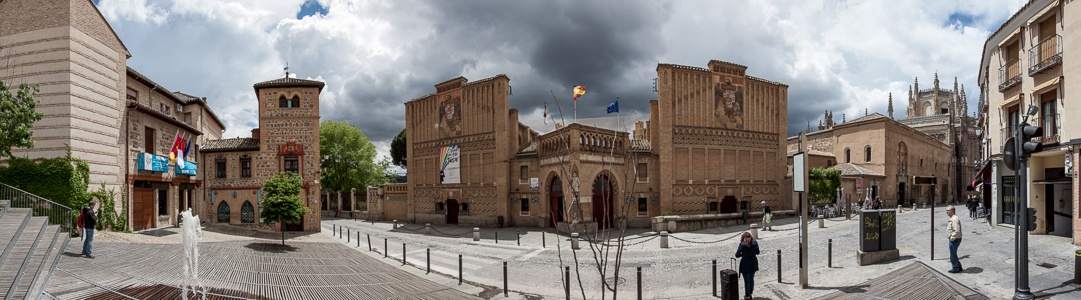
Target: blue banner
[
  {"x": 152, "y": 162},
  {"x": 188, "y": 169}
]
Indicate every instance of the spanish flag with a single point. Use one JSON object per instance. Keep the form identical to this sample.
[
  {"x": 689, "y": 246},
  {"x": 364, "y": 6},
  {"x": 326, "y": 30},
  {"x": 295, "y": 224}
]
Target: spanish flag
[
  {"x": 578, "y": 91},
  {"x": 545, "y": 113}
]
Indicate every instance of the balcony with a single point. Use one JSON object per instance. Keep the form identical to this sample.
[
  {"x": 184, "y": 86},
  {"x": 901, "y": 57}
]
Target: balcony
[
  {"x": 1045, "y": 55},
  {"x": 1052, "y": 127},
  {"x": 1010, "y": 74}
]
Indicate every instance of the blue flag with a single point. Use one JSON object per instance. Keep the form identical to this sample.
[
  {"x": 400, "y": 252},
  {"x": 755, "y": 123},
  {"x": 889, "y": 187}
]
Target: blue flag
[{"x": 614, "y": 107}]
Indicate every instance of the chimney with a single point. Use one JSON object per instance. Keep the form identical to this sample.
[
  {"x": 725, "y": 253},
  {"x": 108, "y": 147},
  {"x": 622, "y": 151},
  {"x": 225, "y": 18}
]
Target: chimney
[{"x": 255, "y": 133}]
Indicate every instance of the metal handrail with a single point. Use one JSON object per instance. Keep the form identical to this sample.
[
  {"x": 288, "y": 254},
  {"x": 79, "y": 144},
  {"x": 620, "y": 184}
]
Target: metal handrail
[
  {"x": 1050, "y": 131},
  {"x": 1045, "y": 54},
  {"x": 58, "y": 214}
]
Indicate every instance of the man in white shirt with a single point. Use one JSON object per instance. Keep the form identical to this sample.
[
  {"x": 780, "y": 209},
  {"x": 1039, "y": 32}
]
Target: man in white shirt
[{"x": 953, "y": 232}]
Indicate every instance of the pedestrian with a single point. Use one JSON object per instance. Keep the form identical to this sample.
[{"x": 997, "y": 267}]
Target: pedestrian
[
  {"x": 953, "y": 233},
  {"x": 90, "y": 219},
  {"x": 748, "y": 264},
  {"x": 972, "y": 207},
  {"x": 336, "y": 212},
  {"x": 767, "y": 216},
  {"x": 877, "y": 204}
]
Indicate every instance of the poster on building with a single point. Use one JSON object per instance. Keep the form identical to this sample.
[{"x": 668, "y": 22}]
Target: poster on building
[
  {"x": 534, "y": 184},
  {"x": 449, "y": 171},
  {"x": 152, "y": 162}
]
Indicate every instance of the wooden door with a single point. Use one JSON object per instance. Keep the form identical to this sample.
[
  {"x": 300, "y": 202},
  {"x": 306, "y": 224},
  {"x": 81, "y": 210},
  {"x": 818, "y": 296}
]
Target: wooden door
[{"x": 142, "y": 210}]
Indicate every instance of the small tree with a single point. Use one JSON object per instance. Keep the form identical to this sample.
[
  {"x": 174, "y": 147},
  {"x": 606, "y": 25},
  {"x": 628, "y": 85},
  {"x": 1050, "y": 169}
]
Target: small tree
[
  {"x": 397, "y": 150},
  {"x": 349, "y": 158},
  {"x": 17, "y": 117},
  {"x": 283, "y": 200},
  {"x": 823, "y": 185}
]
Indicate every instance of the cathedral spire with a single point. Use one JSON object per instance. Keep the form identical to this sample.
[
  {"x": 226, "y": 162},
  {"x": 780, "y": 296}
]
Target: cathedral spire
[
  {"x": 890, "y": 107},
  {"x": 843, "y": 118}
]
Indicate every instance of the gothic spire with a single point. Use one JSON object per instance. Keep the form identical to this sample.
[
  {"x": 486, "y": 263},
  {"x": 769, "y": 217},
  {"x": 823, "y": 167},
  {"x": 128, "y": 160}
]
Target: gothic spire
[{"x": 890, "y": 107}]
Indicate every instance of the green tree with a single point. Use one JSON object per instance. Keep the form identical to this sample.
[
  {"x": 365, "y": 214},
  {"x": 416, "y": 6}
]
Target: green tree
[
  {"x": 397, "y": 150},
  {"x": 17, "y": 117},
  {"x": 283, "y": 200},
  {"x": 348, "y": 158},
  {"x": 823, "y": 185}
]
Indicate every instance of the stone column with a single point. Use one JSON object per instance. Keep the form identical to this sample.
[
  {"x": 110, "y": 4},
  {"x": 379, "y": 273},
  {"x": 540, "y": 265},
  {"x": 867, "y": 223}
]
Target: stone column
[
  {"x": 339, "y": 207},
  {"x": 353, "y": 199}
]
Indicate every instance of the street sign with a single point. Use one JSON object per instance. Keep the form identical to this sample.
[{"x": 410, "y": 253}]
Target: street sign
[
  {"x": 798, "y": 171},
  {"x": 859, "y": 183}
]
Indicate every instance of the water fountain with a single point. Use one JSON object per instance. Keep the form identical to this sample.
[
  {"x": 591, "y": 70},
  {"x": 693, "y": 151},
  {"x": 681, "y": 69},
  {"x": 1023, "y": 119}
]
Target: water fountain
[{"x": 191, "y": 235}]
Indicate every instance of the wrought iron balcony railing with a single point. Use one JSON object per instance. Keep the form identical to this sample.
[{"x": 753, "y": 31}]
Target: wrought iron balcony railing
[
  {"x": 1010, "y": 74},
  {"x": 1045, "y": 55},
  {"x": 1052, "y": 127}
]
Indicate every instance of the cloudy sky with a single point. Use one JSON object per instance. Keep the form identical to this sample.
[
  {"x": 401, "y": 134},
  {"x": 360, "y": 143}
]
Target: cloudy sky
[{"x": 844, "y": 56}]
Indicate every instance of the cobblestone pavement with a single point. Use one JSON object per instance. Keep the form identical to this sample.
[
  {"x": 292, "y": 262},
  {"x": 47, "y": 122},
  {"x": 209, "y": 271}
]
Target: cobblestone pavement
[{"x": 535, "y": 266}]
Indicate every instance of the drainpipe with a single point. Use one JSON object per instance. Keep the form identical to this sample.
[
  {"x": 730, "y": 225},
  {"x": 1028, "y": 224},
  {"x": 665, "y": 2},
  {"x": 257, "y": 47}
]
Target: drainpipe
[{"x": 127, "y": 165}]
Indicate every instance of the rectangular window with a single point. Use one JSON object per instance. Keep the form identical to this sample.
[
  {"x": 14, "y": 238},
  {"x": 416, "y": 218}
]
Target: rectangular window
[
  {"x": 643, "y": 172},
  {"x": 465, "y": 207},
  {"x": 132, "y": 95},
  {"x": 148, "y": 140},
  {"x": 439, "y": 206},
  {"x": 245, "y": 167},
  {"x": 642, "y": 207},
  {"x": 1049, "y": 114},
  {"x": 523, "y": 173},
  {"x": 525, "y": 206},
  {"x": 220, "y": 167},
  {"x": 292, "y": 164},
  {"x": 187, "y": 118},
  {"x": 714, "y": 206}
]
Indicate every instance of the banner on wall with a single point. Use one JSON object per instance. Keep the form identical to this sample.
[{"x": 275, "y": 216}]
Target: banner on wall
[
  {"x": 152, "y": 162},
  {"x": 450, "y": 169}
]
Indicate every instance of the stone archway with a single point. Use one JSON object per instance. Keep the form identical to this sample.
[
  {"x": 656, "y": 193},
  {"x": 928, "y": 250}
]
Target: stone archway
[
  {"x": 603, "y": 194},
  {"x": 556, "y": 207}
]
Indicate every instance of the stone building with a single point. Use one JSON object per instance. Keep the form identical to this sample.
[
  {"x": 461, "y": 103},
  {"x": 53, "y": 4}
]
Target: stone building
[
  {"x": 89, "y": 96},
  {"x": 713, "y": 145},
  {"x": 154, "y": 117},
  {"x": 943, "y": 114},
  {"x": 287, "y": 140},
  {"x": 877, "y": 157},
  {"x": 1025, "y": 73}
]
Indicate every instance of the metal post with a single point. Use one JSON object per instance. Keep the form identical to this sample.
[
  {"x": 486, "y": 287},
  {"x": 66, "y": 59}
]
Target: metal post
[
  {"x": 358, "y": 239},
  {"x": 1077, "y": 267},
  {"x": 334, "y": 229},
  {"x": 403, "y": 254},
  {"x": 829, "y": 254},
  {"x": 543, "y": 242},
  {"x": 519, "y": 234},
  {"x": 385, "y": 248},
  {"x": 714, "y": 278},
  {"x": 497, "y": 236},
  {"x": 639, "y": 284},
  {"x": 459, "y": 269},
  {"x": 803, "y": 243},
  {"x": 339, "y": 232},
  {"x": 348, "y": 235},
  {"x": 1023, "y": 291},
  {"x": 567, "y": 280},
  {"x": 933, "y": 220},
  {"x": 428, "y": 259},
  {"x": 779, "y": 265},
  {"x": 504, "y": 279},
  {"x": 369, "y": 242}
]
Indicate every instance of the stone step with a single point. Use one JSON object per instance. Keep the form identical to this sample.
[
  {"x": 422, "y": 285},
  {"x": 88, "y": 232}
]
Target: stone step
[{"x": 21, "y": 253}]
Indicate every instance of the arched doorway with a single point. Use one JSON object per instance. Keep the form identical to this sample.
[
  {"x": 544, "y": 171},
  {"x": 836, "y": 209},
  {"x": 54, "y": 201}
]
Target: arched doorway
[
  {"x": 901, "y": 193},
  {"x": 602, "y": 201},
  {"x": 729, "y": 204},
  {"x": 452, "y": 211},
  {"x": 555, "y": 201}
]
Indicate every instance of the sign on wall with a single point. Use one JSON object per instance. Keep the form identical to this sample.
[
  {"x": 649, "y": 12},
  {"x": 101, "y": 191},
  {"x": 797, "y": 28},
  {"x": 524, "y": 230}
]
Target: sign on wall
[
  {"x": 152, "y": 162},
  {"x": 450, "y": 169},
  {"x": 534, "y": 184},
  {"x": 188, "y": 168}
]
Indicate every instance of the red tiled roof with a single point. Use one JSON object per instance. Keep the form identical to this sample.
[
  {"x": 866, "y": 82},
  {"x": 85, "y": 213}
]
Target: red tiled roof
[{"x": 234, "y": 144}]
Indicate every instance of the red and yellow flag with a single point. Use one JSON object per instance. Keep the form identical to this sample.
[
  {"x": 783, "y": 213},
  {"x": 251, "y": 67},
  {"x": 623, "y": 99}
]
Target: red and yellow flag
[{"x": 578, "y": 91}]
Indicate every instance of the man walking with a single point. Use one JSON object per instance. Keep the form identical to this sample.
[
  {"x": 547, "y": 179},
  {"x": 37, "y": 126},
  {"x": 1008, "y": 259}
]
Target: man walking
[
  {"x": 953, "y": 232},
  {"x": 90, "y": 219},
  {"x": 767, "y": 216}
]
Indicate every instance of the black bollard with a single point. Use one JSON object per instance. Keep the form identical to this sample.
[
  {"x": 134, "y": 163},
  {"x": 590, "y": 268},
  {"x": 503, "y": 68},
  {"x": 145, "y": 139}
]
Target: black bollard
[
  {"x": 497, "y": 236},
  {"x": 358, "y": 239},
  {"x": 1077, "y": 267},
  {"x": 829, "y": 254},
  {"x": 369, "y": 242},
  {"x": 385, "y": 248},
  {"x": 403, "y": 254},
  {"x": 428, "y": 253},
  {"x": 779, "y": 265},
  {"x": 505, "y": 279},
  {"x": 567, "y": 280},
  {"x": 459, "y": 269},
  {"x": 333, "y": 229},
  {"x": 519, "y": 233},
  {"x": 639, "y": 284},
  {"x": 714, "y": 278},
  {"x": 543, "y": 242},
  {"x": 348, "y": 235},
  {"x": 339, "y": 232}
]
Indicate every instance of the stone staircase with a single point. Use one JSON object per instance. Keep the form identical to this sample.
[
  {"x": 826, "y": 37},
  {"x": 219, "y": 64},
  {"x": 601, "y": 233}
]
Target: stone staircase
[{"x": 31, "y": 247}]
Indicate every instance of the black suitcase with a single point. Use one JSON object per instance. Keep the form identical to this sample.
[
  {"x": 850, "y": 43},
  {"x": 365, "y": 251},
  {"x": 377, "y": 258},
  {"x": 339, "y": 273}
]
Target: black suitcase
[{"x": 730, "y": 283}]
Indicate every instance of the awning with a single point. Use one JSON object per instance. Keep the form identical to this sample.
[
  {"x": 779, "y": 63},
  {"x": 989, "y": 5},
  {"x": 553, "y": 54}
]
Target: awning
[
  {"x": 1010, "y": 101},
  {"x": 986, "y": 170},
  {"x": 1040, "y": 89},
  {"x": 1042, "y": 12}
]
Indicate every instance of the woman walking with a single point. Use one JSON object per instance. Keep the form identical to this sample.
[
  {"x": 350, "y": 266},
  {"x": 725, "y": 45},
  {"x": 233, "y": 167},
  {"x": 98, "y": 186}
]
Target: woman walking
[{"x": 748, "y": 251}]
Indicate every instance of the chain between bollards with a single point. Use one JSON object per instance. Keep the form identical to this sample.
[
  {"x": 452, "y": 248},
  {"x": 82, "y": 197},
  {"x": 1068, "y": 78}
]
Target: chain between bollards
[
  {"x": 714, "y": 278},
  {"x": 505, "y": 279}
]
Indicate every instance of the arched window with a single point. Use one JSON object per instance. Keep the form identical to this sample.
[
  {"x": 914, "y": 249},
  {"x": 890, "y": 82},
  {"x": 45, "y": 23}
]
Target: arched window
[
  {"x": 295, "y": 102},
  {"x": 848, "y": 155},
  {"x": 247, "y": 213},
  {"x": 223, "y": 212},
  {"x": 282, "y": 102},
  {"x": 867, "y": 153}
]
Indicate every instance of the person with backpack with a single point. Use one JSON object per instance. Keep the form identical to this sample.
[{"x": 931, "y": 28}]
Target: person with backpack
[{"x": 89, "y": 218}]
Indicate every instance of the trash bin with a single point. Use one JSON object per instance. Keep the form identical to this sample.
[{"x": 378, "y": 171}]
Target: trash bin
[{"x": 499, "y": 221}]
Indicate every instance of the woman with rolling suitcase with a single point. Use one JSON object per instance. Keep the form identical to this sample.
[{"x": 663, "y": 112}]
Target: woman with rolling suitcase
[{"x": 748, "y": 264}]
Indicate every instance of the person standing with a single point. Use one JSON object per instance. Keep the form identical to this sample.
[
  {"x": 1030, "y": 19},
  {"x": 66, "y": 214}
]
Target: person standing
[
  {"x": 90, "y": 219},
  {"x": 972, "y": 207},
  {"x": 953, "y": 233},
  {"x": 748, "y": 264},
  {"x": 767, "y": 216}
]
